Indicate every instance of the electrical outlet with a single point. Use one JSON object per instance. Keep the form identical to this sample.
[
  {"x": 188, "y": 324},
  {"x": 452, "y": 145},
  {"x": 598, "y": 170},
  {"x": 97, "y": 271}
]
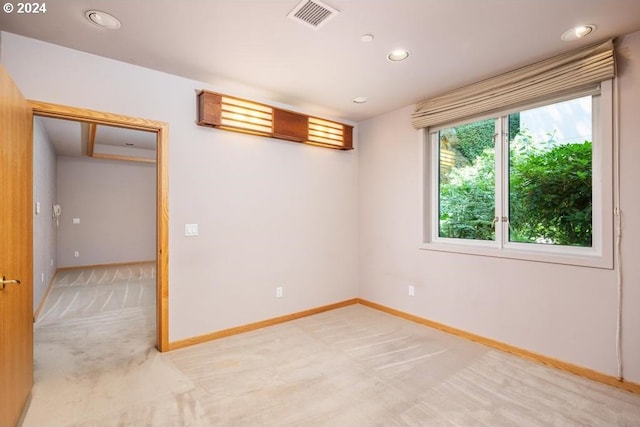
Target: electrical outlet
[
  {"x": 412, "y": 290},
  {"x": 279, "y": 292},
  {"x": 42, "y": 277},
  {"x": 76, "y": 254}
]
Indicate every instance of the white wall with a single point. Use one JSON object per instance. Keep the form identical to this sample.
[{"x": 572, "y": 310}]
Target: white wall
[
  {"x": 44, "y": 225},
  {"x": 271, "y": 213},
  {"x": 115, "y": 202},
  {"x": 629, "y": 84},
  {"x": 560, "y": 311}
]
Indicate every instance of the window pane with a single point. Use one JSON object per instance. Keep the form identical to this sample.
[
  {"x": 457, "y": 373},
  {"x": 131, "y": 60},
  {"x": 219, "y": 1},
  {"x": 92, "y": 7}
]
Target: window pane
[
  {"x": 550, "y": 186},
  {"x": 466, "y": 194}
]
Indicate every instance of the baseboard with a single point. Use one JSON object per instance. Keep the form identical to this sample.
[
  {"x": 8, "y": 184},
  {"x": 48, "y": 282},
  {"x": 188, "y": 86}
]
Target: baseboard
[
  {"x": 525, "y": 354},
  {"x": 257, "y": 325},
  {"x": 520, "y": 352},
  {"x": 36, "y": 313},
  {"x": 113, "y": 264}
]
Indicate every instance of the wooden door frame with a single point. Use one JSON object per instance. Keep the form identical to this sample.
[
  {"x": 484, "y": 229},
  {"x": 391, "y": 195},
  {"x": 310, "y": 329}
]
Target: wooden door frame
[{"x": 161, "y": 129}]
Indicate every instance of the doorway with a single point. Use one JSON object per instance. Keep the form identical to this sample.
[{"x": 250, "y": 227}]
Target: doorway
[{"x": 95, "y": 119}]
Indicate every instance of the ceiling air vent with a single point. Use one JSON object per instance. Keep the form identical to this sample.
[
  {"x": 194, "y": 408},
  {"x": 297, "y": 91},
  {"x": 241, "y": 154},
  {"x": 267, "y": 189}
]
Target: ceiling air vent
[{"x": 312, "y": 13}]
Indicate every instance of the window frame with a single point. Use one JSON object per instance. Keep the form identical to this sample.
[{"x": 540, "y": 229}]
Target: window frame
[{"x": 599, "y": 255}]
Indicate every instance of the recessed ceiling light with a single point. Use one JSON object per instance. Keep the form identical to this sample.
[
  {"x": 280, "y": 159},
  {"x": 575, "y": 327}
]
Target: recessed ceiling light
[
  {"x": 102, "y": 19},
  {"x": 578, "y": 32},
  {"x": 366, "y": 38},
  {"x": 398, "y": 55},
  {"x": 360, "y": 100}
]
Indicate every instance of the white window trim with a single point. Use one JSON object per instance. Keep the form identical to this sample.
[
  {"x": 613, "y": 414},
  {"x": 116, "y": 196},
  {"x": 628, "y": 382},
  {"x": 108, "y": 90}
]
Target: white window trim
[{"x": 600, "y": 255}]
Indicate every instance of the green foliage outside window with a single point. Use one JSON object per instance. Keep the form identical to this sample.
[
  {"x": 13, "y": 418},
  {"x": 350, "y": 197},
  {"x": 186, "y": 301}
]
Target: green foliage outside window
[
  {"x": 550, "y": 196},
  {"x": 467, "y": 188},
  {"x": 550, "y": 188},
  {"x": 467, "y": 200},
  {"x": 474, "y": 138}
]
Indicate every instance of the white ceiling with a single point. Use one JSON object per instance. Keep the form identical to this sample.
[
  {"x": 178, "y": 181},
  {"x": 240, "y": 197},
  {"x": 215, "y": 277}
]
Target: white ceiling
[
  {"x": 122, "y": 137},
  {"x": 71, "y": 138},
  {"x": 251, "y": 47}
]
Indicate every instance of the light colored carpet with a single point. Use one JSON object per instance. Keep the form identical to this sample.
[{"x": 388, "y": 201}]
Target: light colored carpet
[
  {"x": 82, "y": 293},
  {"x": 355, "y": 366}
]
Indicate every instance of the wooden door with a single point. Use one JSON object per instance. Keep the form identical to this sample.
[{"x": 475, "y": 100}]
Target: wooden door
[{"x": 16, "y": 258}]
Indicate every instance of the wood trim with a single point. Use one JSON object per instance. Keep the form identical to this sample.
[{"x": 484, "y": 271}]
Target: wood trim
[
  {"x": 91, "y": 146},
  {"x": 46, "y": 109},
  {"x": 125, "y": 158},
  {"x": 58, "y": 111},
  {"x": 290, "y": 126},
  {"x": 517, "y": 351},
  {"x": 258, "y": 325},
  {"x": 47, "y": 291},
  {"x": 110, "y": 264},
  {"x": 209, "y": 113},
  {"x": 93, "y": 128},
  {"x": 162, "y": 237}
]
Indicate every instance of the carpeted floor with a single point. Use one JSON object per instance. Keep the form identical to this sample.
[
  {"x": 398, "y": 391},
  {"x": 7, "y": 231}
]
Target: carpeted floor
[{"x": 96, "y": 366}]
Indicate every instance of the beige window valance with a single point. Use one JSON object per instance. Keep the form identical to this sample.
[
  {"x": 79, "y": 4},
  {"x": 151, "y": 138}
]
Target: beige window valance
[{"x": 581, "y": 69}]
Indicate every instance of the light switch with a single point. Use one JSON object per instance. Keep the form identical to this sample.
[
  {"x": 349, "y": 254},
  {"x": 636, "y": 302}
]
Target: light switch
[
  {"x": 37, "y": 208},
  {"x": 76, "y": 220},
  {"x": 191, "y": 229}
]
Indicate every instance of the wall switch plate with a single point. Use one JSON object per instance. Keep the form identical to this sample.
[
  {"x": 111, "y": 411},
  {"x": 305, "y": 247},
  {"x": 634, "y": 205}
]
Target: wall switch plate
[
  {"x": 412, "y": 290},
  {"x": 191, "y": 229},
  {"x": 76, "y": 220},
  {"x": 279, "y": 292},
  {"x": 37, "y": 208}
]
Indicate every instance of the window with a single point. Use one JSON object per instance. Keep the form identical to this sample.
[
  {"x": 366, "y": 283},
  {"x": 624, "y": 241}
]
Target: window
[{"x": 534, "y": 183}]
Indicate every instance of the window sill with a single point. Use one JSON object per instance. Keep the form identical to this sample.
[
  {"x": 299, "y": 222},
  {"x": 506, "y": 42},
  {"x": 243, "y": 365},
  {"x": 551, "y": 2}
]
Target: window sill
[{"x": 590, "y": 258}]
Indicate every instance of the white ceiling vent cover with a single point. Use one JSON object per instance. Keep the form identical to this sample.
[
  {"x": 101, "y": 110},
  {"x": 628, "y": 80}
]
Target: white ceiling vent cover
[{"x": 312, "y": 13}]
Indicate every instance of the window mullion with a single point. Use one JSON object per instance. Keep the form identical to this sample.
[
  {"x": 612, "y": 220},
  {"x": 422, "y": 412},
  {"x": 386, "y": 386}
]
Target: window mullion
[
  {"x": 506, "y": 159},
  {"x": 499, "y": 182}
]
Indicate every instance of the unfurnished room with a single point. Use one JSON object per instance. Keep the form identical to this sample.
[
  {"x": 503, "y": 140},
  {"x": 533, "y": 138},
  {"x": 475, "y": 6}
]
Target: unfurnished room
[{"x": 320, "y": 213}]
